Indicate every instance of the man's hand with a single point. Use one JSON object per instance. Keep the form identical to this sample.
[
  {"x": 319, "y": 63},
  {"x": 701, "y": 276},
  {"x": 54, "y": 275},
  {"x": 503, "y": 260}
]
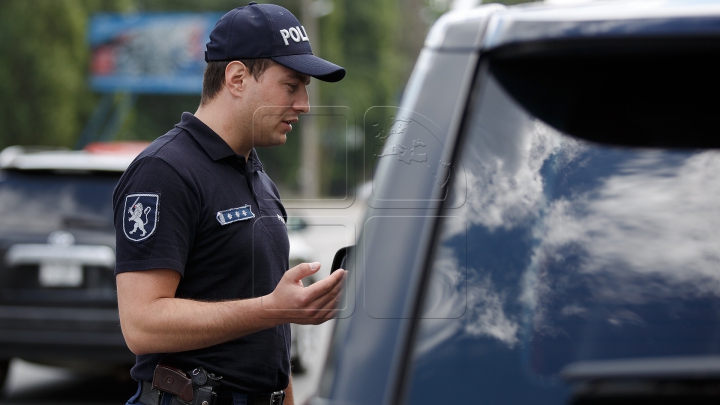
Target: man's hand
[{"x": 311, "y": 305}]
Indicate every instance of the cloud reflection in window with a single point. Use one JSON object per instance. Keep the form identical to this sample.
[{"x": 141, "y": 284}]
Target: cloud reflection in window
[
  {"x": 480, "y": 312},
  {"x": 627, "y": 226}
]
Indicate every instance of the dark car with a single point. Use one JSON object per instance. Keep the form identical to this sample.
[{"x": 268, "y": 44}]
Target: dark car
[
  {"x": 58, "y": 304},
  {"x": 544, "y": 226}
]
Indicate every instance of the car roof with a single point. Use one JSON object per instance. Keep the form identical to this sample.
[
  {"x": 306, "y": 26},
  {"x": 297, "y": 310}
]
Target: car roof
[
  {"x": 107, "y": 157},
  {"x": 492, "y": 26}
]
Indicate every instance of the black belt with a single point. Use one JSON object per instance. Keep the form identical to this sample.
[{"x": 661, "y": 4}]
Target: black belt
[
  {"x": 275, "y": 398},
  {"x": 151, "y": 396}
]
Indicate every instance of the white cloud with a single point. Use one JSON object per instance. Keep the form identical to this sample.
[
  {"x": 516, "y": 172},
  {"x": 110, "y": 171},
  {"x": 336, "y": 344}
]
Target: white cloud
[
  {"x": 486, "y": 316},
  {"x": 646, "y": 220},
  {"x": 452, "y": 308},
  {"x": 504, "y": 183}
]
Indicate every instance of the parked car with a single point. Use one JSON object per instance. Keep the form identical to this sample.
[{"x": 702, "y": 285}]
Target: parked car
[
  {"x": 544, "y": 219},
  {"x": 58, "y": 303}
]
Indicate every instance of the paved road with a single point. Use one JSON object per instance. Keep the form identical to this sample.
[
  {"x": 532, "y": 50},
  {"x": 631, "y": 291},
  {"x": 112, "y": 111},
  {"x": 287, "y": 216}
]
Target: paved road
[
  {"x": 33, "y": 384},
  {"x": 30, "y": 384}
]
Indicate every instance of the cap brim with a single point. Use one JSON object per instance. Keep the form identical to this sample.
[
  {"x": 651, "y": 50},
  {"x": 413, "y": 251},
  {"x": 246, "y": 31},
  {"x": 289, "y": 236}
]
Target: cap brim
[{"x": 313, "y": 66}]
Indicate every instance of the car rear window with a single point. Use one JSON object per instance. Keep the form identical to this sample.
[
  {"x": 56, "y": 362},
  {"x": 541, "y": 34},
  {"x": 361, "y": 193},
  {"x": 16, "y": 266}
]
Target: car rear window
[
  {"x": 564, "y": 251},
  {"x": 45, "y": 201}
]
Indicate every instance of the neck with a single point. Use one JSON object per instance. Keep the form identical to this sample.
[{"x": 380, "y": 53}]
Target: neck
[{"x": 220, "y": 117}]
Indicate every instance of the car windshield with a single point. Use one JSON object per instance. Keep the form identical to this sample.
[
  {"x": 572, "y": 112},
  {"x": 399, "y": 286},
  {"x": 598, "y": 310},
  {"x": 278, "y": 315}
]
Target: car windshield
[
  {"x": 45, "y": 201},
  {"x": 564, "y": 251}
]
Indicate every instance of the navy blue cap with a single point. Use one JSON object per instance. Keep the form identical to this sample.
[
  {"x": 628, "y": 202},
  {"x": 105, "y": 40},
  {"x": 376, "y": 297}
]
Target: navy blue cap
[{"x": 268, "y": 31}]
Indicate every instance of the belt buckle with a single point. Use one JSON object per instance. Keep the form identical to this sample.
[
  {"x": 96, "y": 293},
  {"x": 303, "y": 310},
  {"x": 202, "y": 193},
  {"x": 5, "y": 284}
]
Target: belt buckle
[{"x": 279, "y": 395}]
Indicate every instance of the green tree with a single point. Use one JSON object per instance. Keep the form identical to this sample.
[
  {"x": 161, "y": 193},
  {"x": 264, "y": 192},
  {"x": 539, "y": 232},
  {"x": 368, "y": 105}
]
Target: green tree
[
  {"x": 366, "y": 38},
  {"x": 44, "y": 95}
]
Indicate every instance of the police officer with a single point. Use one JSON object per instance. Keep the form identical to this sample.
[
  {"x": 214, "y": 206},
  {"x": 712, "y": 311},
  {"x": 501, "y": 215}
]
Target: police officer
[{"x": 202, "y": 248}]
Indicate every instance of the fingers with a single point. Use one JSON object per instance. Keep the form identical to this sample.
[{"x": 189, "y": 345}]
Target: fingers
[
  {"x": 307, "y": 305},
  {"x": 330, "y": 309},
  {"x": 326, "y": 293},
  {"x": 326, "y": 287},
  {"x": 320, "y": 314},
  {"x": 302, "y": 270}
]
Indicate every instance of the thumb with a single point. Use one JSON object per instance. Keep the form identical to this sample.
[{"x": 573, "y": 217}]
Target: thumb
[{"x": 303, "y": 270}]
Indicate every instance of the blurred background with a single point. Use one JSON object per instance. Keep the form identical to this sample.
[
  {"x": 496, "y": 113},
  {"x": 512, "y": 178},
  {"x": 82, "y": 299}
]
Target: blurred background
[{"x": 51, "y": 50}]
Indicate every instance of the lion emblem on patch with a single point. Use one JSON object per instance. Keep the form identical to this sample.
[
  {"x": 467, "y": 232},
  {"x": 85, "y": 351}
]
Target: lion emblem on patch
[{"x": 140, "y": 216}]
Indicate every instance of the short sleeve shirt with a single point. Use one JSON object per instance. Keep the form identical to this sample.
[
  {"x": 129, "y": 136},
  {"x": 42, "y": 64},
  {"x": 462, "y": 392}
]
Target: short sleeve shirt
[{"x": 190, "y": 204}]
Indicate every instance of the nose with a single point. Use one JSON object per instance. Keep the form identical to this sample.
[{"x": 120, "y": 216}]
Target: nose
[{"x": 302, "y": 103}]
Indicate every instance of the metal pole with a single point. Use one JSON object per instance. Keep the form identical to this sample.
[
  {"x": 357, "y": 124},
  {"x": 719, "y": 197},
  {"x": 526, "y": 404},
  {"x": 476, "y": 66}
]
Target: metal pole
[{"x": 309, "y": 175}]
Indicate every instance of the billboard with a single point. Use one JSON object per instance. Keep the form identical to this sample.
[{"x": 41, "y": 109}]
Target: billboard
[{"x": 149, "y": 52}]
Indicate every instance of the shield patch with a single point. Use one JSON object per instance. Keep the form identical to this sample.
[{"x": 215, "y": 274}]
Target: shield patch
[{"x": 140, "y": 216}]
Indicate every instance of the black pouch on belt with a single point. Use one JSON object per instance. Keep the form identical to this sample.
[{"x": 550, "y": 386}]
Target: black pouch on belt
[{"x": 196, "y": 389}]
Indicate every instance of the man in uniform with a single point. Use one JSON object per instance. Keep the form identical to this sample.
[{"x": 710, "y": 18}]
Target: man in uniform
[{"x": 205, "y": 291}]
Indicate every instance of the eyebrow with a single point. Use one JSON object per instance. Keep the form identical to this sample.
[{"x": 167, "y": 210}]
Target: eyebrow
[{"x": 300, "y": 76}]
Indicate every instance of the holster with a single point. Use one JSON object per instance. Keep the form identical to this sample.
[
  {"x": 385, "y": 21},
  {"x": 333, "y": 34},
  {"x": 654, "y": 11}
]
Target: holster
[{"x": 196, "y": 389}]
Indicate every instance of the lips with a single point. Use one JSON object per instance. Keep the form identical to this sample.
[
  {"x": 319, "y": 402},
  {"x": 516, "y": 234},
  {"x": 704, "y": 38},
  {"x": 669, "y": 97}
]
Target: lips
[{"x": 290, "y": 122}]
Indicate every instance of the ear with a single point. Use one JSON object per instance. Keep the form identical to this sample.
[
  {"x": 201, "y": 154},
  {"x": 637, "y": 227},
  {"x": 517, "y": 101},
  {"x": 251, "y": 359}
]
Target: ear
[{"x": 236, "y": 77}]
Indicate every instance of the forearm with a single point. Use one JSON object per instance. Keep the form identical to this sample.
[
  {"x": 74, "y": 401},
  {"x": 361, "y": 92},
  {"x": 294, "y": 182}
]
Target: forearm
[
  {"x": 154, "y": 321},
  {"x": 166, "y": 325}
]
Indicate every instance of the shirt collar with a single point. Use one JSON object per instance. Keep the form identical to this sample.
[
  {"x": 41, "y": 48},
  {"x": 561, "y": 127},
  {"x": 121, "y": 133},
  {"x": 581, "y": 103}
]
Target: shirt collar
[
  {"x": 212, "y": 143},
  {"x": 214, "y": 146},
  {"x": 254, "y": 161}
]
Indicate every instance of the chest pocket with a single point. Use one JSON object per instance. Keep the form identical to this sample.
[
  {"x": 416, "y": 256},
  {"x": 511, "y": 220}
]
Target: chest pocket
[
  {"x": 271, "y": 224},
  {"x": 268, "y": 196},
  {"x": 271, "y": 230}
]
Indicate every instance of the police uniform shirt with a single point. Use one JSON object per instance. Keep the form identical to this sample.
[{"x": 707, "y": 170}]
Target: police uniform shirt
[{"x": 190, "y": 204}]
